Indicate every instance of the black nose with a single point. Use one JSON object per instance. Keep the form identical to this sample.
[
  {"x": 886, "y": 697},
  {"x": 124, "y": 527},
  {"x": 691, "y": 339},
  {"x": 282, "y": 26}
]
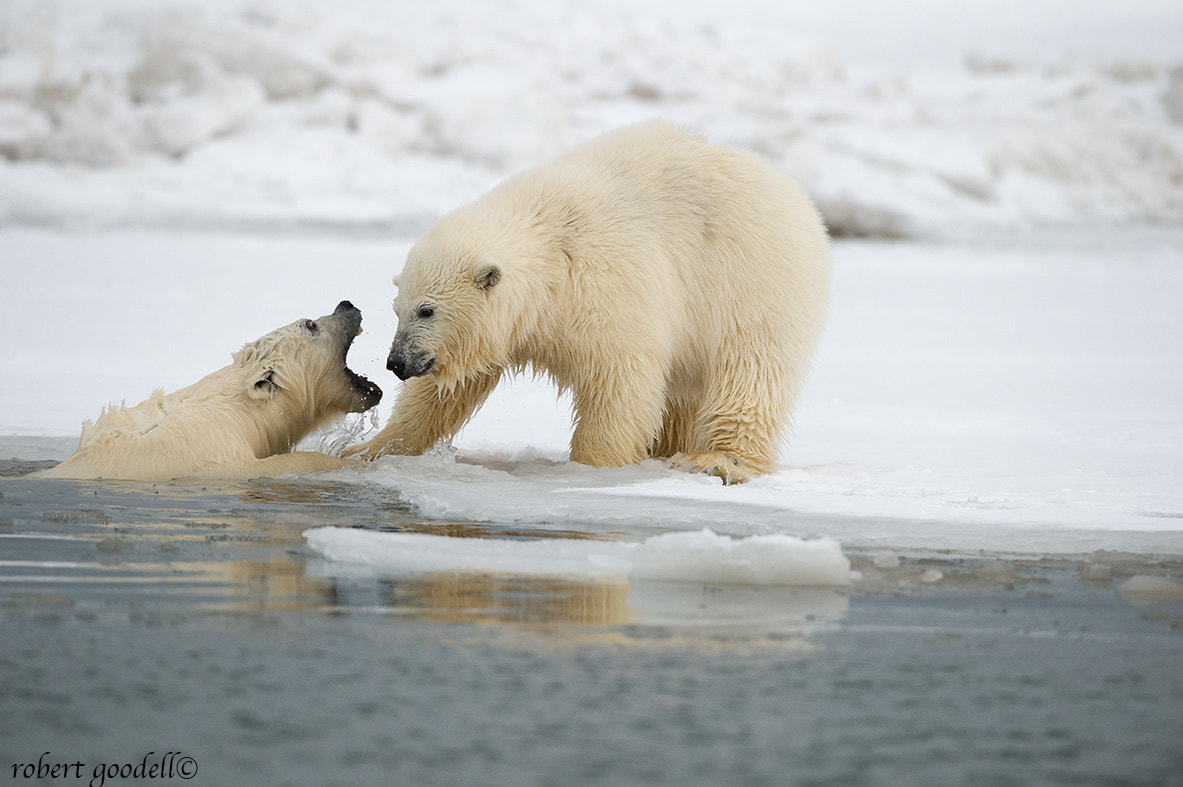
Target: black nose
[
  {"x": 398, "y": 366},
  {"x": 344, "y": 306}
]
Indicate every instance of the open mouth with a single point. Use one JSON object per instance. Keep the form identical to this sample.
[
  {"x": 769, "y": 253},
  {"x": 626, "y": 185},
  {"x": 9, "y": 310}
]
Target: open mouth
[{"x": 368, "y": 392}]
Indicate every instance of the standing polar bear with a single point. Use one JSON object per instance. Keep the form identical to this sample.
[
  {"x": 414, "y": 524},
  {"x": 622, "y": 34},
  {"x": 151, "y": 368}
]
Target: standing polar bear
[
  {"x": 240, "y": 421},
  {"x": 676, "y": 288}
]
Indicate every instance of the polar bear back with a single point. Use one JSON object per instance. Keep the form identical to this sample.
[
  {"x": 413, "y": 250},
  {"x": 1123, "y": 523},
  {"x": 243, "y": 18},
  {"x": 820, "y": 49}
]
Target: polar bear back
[{"x": 690, "y": 243}]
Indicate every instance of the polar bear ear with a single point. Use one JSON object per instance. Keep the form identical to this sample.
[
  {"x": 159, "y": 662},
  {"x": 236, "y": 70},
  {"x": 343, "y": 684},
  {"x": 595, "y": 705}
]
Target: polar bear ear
[
  {"x": 264, "y": 386},
  {"x": 486, "y": 275}
]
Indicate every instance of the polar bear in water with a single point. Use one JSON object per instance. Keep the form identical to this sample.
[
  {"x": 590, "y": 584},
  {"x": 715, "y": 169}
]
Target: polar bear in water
[{"x": 239, "y": 422}]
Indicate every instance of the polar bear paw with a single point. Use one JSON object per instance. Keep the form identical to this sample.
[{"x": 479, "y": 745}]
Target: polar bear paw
[
  {"x": 366, "y": 452},
  {"x": 717, "y": 463}
]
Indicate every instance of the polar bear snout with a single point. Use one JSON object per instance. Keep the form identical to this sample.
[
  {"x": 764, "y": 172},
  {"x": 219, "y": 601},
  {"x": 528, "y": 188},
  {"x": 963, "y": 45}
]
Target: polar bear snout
[
  {"x": 343, "y": 326},
  {"x": 349, "y": 317},
  {"x": 406, "y": 368},
  {"x": 407, "y": 362}
]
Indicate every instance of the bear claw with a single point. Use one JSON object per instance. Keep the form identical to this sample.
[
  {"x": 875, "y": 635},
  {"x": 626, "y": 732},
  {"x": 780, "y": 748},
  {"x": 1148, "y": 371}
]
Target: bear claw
[{"x": 719, "y": 464}]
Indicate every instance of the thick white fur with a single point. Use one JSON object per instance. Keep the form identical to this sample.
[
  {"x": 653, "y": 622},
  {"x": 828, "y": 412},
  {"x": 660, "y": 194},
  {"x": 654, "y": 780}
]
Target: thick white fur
[
  {"x": 676, "y": 288},
  {"x": 238, "y": 422}
]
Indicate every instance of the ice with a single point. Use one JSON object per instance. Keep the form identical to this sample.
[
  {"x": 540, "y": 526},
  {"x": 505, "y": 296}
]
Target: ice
[
  {"x": 1145, "y": 589},
  {"x": 705, "y": 557},
  {"x": 700, "y": 557}
]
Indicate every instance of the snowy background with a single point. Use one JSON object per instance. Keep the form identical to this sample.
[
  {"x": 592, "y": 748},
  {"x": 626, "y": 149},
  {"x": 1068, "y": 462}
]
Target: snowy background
[
  {"x": 1003, "y": 369},
  {"x": 921, "y": 120}
]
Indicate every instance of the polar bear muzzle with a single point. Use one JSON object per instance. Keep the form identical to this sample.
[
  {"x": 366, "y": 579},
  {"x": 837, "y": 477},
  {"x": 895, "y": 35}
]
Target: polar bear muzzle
[
  {"x": 406, "y": 361},
  {"x": 345, "y": 324}
]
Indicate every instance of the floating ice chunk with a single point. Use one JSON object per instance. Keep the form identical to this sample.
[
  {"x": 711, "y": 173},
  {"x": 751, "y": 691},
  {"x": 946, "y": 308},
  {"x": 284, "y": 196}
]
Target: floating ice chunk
[
  {"x": 773, "y": 560},
  {"x": 1145, "y": 589},
  {"x": 756, "y": 560}
]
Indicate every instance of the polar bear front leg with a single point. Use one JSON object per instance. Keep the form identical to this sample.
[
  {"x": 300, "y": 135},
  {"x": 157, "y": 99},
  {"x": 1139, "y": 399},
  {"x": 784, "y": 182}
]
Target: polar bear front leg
[
  {"x": 617, "y": 417},
  {"x": 739, "y": 426},
  {"x": 424, "y": 415}
]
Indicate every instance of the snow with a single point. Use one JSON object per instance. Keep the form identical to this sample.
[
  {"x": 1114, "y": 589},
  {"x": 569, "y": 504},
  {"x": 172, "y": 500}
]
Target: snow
[
  {"x": 228, "y": 114},
  {"x": 177, "y": 178}
]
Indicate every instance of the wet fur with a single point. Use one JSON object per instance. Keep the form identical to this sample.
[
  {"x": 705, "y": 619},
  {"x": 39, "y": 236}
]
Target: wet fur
[
  {"x": 238, "y": 422},
  {"x": 676, "y": 288}
]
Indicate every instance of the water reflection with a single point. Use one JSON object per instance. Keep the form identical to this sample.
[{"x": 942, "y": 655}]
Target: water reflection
[
  {"x": 457, "y": 596},
  {"x": 98, "y": 550}
]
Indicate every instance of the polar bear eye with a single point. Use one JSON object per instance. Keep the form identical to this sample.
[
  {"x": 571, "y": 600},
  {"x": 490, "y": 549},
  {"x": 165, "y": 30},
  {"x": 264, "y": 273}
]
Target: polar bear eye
[
  {"x": 423, "y": 312},
  {"x": 311, "y": 326}
]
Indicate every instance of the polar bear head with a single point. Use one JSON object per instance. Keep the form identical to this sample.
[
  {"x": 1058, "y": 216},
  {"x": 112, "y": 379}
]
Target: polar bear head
[
  {"x": 440, "y": 320},
  {"x": 296, "y": 377},
  {"x": 457, "y": 310},
  {"x": 473, "y": 290}
]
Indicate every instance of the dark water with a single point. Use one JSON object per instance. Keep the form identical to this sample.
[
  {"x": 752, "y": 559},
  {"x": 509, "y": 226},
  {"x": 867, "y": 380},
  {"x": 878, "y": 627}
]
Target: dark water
[{"x": 141, "y": 620}]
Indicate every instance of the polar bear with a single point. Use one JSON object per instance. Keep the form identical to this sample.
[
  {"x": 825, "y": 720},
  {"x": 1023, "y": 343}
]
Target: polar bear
[
  {"x": 242, "y": 420},
  {"x": 676, "y": 288}
]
